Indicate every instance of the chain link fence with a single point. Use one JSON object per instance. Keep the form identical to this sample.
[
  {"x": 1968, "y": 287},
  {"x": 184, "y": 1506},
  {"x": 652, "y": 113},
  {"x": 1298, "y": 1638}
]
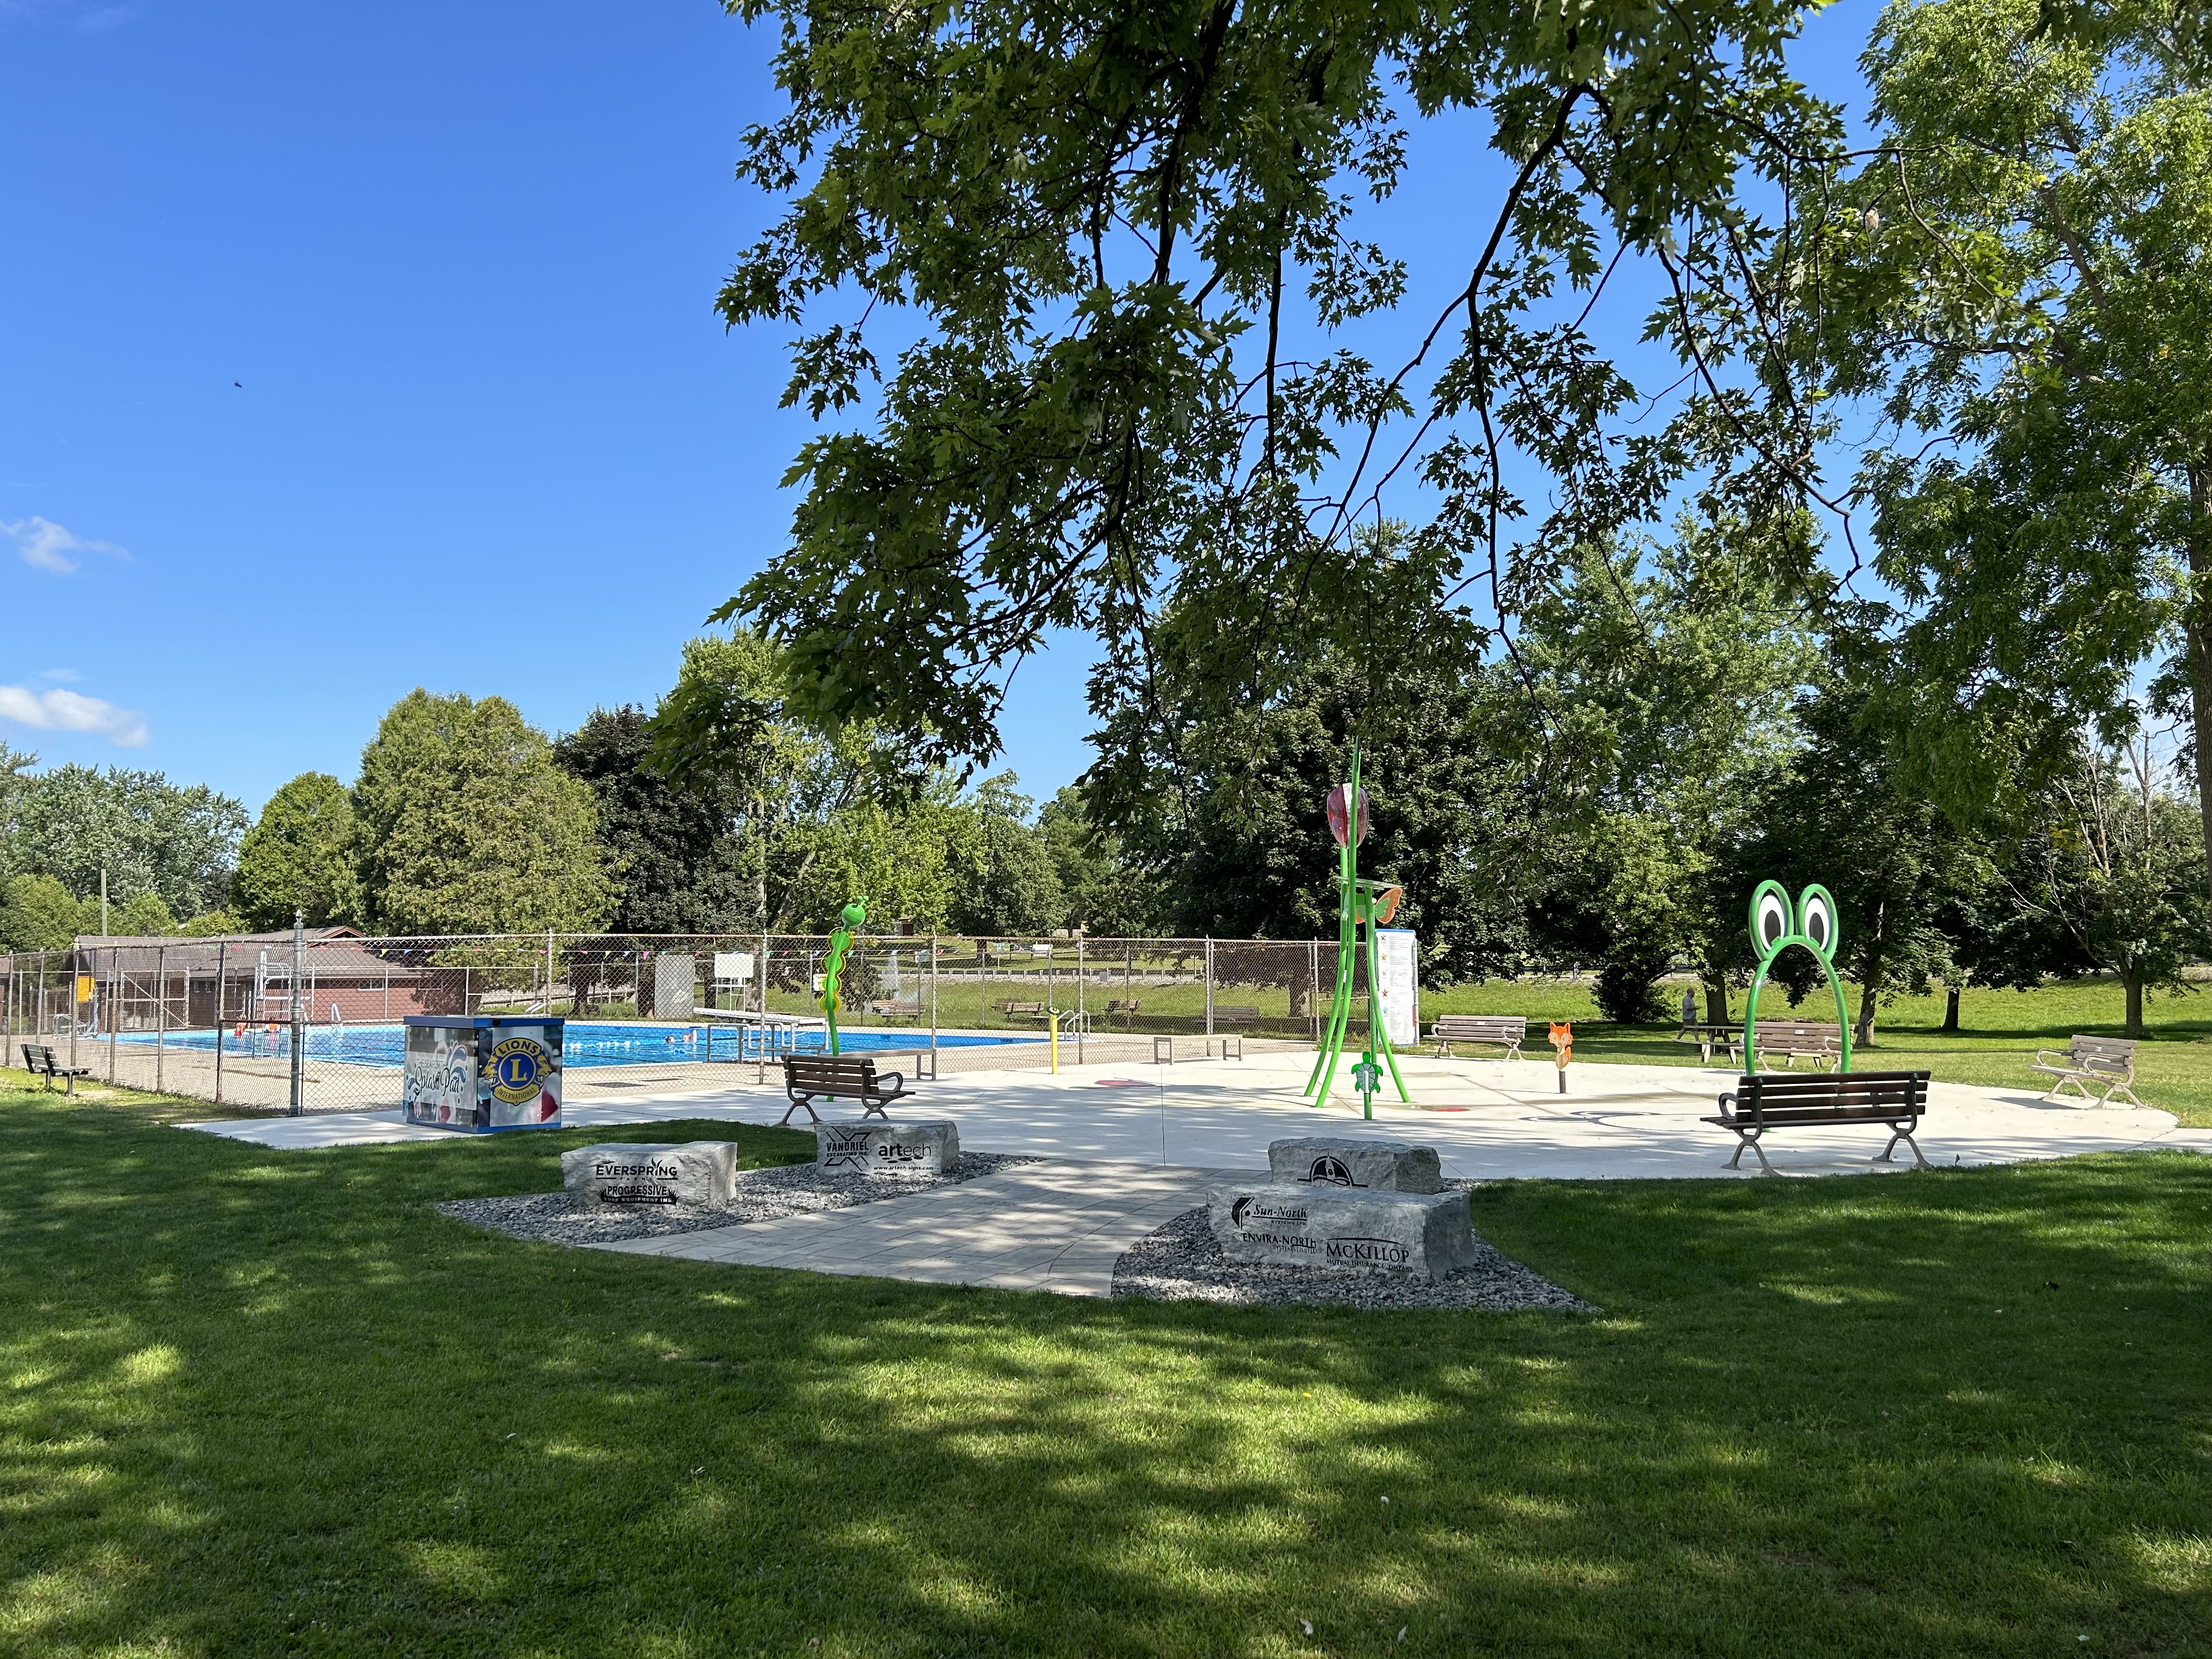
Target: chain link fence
[{"x": 272, "y": 1023}]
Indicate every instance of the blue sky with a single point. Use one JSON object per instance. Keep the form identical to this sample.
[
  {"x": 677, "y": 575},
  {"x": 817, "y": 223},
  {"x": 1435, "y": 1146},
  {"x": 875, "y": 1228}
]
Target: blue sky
[{"x": 352, "y": 348}]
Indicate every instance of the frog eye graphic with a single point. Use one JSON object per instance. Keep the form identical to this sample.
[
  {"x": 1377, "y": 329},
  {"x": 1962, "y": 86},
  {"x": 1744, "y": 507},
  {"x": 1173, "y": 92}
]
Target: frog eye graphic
[
  {"x": 1816, "y": 918},
  {"x": 1770, "y": 917}
]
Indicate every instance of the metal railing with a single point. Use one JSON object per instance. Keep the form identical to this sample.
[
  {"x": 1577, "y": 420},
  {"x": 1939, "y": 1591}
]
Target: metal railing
[{"x": 269, "y": 1023}]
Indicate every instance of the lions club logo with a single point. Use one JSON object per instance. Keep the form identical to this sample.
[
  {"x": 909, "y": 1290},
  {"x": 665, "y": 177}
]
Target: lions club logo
[{"x": 520, "y": 1067}]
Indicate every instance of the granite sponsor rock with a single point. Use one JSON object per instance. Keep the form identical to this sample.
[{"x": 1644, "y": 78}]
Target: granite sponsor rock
[
  {"x": 694, "y": 1174},
  {"x": 879, "y": 1148},
  {"x": 1340, "y": 1229},
  {"x": 1382, "y": 1166}
]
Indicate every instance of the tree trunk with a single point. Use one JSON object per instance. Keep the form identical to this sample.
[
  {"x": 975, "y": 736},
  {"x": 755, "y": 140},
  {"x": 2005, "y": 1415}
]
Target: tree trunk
[
  {"x": 2196, "y": 627},
  {"x": 1717, "y": 1001},
  {"x": 1951, "y": 1009},
  {"x": 1862, "y": 1031},
  {"x": 2133, "y": 980}
]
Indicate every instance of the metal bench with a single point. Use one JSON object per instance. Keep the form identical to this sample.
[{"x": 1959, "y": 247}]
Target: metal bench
[
  {"x": 1763, "y": 1103},
  {"x": 1507, "y": 1031},
  {"x": 39, "y": 1060},
  {"x": 2091, "y": 1061},
  {"x": 810, "y": 1077}
]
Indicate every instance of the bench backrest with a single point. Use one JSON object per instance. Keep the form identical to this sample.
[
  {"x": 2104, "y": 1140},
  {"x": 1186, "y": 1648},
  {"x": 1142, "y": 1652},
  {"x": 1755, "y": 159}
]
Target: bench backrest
[
  {"x": 829, "y": 1068},
  {"x": 1791, "y": 1028},
  {"x": 2110, "y": 1053},
  {"x": 38, "y": 1057},
  {"x": 1474, "y": 1026},
  {"x": 1235, "y": 1011},
  {"x": 1832, "y": 1090}
]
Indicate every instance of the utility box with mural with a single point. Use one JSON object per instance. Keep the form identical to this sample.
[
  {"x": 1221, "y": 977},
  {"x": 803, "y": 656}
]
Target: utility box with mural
[{"x": 481, "y": 1073}]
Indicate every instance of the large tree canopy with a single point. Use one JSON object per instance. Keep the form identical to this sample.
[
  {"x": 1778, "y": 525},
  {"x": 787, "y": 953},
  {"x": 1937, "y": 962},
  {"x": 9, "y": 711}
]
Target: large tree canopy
[
  {"x": 467, "y": 826},
  {"x": 301, "y": 857},
  {"x": 1099, "y": 237},
  {"x": 2018, "y": 277}
]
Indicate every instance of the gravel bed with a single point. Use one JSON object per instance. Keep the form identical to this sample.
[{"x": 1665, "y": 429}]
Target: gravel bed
[
  {"x": 1183, "y": 1262},
  {"x": 762, "y": 1195}
]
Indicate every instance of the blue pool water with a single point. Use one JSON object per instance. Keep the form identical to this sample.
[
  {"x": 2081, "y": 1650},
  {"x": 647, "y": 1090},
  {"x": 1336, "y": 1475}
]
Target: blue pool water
[{"x": 584, "y": 1042}]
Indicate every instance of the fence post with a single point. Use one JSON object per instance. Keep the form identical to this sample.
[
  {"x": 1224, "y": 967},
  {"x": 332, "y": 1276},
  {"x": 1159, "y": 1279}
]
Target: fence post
[
  {"x": 298, "y": 1031},
  {"x": 221, "y": 950},
  {"x": 1313, "y": 986},
  {"x": 1080, "y": 1022},
  {"x": 114, "y": 1013},
  {"x": 161, "y": 1010},
  {"x": 932, "y": 1002},
  {"x": 1209, "y": 985}
]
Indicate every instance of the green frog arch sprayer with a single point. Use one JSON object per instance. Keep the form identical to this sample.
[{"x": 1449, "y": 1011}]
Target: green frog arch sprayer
[{"x": 1776, "y": 925}]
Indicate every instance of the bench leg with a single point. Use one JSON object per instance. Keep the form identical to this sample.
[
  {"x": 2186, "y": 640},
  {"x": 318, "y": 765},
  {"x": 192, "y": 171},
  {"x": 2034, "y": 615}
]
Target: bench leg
[
  {"x": 873, "y": 1109},
  {"x": 1903, "y": 1132},
  {"x": 1750, "y": 1140},
  {"x": 2120, "y": 1087},
  {"x": 798, "y": 1101}
]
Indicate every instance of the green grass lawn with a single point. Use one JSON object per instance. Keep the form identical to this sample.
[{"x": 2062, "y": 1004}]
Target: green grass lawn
[
  {"x": 263, "y": 1403},
  {"x": 1999, "y": 1033}
]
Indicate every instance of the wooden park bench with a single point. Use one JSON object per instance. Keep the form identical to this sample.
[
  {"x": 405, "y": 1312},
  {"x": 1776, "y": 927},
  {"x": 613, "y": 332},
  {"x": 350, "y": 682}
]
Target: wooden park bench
[
  {"x": 1766, "y": 1102},
  {"x": 810, "y": 1077},
  {"x": 1125, "y": 1006},
  {"x": 2108, "y": 1063},
  {"x": 1233, "y": 1013},
  {"x": 1789, "y": 1041},
  {"x": 39, "y": 1060},
  {"x": 896, "y": 1007},
  {"x": 1506, "y": 1031},
  {"x": 1023, "y": 1010}
]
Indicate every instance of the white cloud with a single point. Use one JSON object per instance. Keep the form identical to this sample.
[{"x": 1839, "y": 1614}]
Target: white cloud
[
  {"x": 66, "y": 676},
  {"x": 67, "y": 711},
  {"x": 46, "y": 545}
]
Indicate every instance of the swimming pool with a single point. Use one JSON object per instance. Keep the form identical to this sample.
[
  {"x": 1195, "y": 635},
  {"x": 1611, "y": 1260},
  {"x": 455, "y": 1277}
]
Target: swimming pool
[{"x": 584, "y": 1042}]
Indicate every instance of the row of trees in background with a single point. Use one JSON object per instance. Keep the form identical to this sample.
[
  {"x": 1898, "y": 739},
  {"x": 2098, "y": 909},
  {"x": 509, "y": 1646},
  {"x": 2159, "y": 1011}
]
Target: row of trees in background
[
  {"x": 1696, "y": 737},
  {"x": 166, "y": 851},
  {"x": 464, "y": 819}
]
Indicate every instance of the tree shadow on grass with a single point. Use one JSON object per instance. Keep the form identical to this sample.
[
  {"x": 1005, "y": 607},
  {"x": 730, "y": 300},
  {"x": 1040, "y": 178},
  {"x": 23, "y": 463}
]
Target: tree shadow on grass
[{"x": 272, "y": 1402}]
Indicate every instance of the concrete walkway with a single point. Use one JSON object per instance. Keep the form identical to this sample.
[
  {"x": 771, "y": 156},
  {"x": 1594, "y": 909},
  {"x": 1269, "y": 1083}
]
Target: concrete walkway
[{"x": 1057, "y": 1226}]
